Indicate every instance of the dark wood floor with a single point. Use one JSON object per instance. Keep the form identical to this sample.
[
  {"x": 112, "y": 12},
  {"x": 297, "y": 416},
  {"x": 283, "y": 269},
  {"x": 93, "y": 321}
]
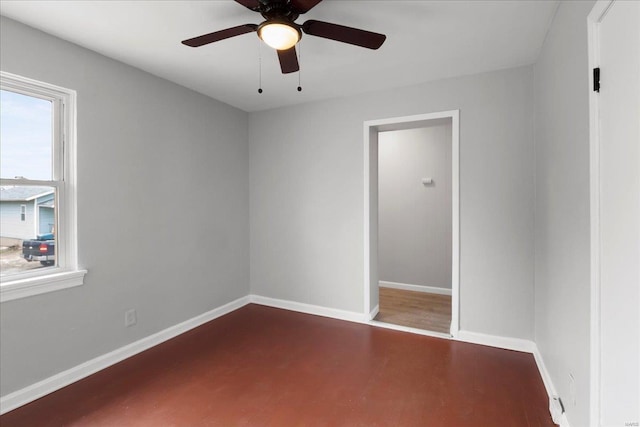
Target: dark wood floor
[
  {"x": 431, "y": 312},
  {"x": 261, "y": 366}
]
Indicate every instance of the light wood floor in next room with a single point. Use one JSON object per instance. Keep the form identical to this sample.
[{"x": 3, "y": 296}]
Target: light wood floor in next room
[{"x": 431, "y": 312}]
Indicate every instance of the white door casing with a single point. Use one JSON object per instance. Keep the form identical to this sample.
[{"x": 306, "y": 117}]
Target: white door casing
[
  {"x": 614, "y": 48},
  {"x": 371, "y": 206}
]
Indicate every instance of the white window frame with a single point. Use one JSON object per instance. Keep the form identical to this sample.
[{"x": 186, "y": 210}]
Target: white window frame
[
  {"x": 66, "y": 273},
  {"x": 23, "y": 213}
]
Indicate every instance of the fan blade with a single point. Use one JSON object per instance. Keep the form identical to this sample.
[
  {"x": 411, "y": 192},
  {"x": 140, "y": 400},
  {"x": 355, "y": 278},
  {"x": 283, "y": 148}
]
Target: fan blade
[
  {"x": 303, "y": 6},
  {"x": 344, "y": 34},
  {"x": 250, "y": 4},
  {"x": 288, "y": 60},
  {"x": 220, "y": 35}
]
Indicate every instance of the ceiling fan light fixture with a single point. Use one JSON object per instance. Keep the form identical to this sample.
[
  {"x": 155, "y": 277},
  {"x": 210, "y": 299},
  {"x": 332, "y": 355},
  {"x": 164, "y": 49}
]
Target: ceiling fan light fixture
[{"x": 278, "y": 35}]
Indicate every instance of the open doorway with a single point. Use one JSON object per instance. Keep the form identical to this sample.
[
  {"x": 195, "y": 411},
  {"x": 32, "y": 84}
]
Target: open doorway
[
  {"x": 414, "y": 226},
  {"x": 412, "y": 222}
]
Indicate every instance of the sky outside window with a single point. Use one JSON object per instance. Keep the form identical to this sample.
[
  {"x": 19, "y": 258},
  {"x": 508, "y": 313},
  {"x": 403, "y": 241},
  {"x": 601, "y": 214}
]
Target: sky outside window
[{"x": 25, "y": 136}]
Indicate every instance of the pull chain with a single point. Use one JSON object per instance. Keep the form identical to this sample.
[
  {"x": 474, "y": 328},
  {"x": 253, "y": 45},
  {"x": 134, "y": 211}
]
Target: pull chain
[
  {"x": 299, "y": 66},
  {"x": 259, "y": 66}
]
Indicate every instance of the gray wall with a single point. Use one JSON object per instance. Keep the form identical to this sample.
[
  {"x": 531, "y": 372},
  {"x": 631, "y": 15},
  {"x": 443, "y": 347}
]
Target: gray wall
[
  {"x": 307, "y": 205},
  {"x": 562, "y": 205},
  {"x": 414, "y": 225},
  {"x": 161, "y": 169}
]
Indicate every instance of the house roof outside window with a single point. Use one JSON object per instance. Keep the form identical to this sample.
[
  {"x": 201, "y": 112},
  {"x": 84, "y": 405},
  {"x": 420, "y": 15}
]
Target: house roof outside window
[{"x": 20, "y": 193}]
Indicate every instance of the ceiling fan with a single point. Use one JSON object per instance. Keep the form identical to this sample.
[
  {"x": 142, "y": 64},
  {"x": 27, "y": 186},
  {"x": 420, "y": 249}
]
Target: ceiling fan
[{"x": 281, "y": 32}]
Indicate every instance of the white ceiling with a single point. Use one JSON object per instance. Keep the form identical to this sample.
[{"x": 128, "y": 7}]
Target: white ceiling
[{"x": 426, "y": 40}]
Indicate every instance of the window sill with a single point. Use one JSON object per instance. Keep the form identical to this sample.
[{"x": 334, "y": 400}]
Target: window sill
[{"x": 31, "y": 286}]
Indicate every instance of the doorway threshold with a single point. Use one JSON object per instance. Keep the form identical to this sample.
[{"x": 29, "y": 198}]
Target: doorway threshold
[{"x": 409, "y": 329}]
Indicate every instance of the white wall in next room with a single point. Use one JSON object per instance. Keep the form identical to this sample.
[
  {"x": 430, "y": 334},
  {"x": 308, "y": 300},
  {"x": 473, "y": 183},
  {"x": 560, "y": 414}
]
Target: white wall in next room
[{"x": 415, "y": 216}]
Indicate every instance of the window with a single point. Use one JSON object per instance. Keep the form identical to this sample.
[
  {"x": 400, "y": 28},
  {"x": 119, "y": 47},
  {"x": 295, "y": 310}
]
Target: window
[{"x": 38, "y": 181}]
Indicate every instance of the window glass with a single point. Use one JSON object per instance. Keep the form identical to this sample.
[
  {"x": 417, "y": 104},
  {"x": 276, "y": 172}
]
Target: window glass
[
  {"x": 26, "y": 136},
  {"x": 30, "y": 243}
]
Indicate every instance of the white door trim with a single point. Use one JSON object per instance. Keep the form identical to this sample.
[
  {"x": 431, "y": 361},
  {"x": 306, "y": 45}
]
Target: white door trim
[
  {"x": 593, "y": 21},
  {"x": 409, "y": 122}
]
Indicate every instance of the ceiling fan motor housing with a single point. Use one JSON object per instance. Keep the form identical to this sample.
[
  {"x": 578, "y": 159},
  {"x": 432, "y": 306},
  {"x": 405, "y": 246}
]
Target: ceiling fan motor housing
[{"x": 277, "y": 10}]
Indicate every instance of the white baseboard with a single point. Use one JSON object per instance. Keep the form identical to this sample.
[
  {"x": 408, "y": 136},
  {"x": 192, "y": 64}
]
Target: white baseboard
[
  {"x": 548, "y": 384},
  {"x": 374, "y": 312},
  {"x": 546, "y": 378},
  {"x": 317, "y": 310},
  {"x": 506, "y": 343},
  {"x": 516, "y": 344},
  {"x": 49, "y": 385},
  {"x": 416, "y": 288},
  {"x": 333, "y": 313}
]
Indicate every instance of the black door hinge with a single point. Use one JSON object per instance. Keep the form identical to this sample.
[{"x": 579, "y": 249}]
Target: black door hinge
[{"x": 596, "y": 79}]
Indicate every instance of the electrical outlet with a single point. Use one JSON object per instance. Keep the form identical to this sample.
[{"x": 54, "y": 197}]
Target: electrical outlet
[
  {"x": 130, "y": 318},
  {"x": 572, "y": 389}
]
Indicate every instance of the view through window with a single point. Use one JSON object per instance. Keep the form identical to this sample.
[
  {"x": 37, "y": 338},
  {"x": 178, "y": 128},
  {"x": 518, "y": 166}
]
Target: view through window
[{"x": 27, "y": 203}]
